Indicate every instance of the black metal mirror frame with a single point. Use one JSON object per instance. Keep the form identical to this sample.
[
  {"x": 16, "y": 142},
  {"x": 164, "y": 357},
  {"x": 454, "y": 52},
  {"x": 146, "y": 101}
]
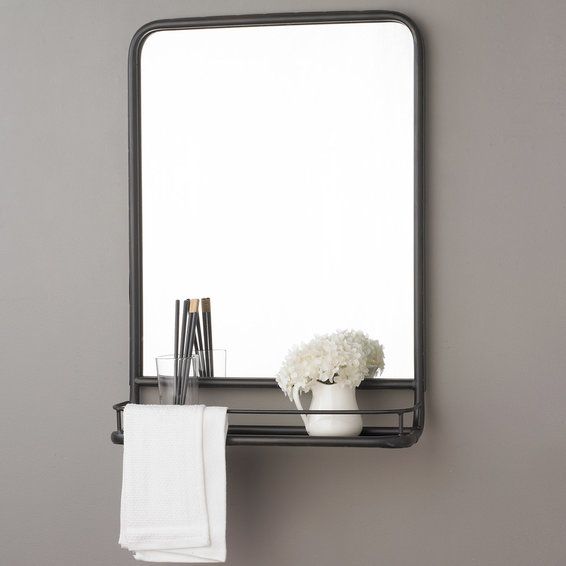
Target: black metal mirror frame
[{"x": 417, "y": 385}]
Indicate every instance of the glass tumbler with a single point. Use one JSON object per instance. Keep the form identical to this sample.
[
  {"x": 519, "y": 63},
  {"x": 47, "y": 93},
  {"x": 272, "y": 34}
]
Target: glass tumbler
[{"x": 177, "y": 380}]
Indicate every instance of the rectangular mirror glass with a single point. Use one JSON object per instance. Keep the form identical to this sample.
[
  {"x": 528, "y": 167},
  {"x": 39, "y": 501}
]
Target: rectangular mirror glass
[{"x": 278, "y": 178}]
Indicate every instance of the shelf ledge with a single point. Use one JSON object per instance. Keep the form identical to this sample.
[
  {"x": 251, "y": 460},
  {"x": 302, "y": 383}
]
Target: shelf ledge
[
  {"x": 239, "y": 436},
  {"x": 269, "y": 382}
]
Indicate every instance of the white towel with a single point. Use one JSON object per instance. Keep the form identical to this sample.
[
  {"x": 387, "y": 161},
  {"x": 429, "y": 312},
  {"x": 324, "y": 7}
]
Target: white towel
[{"x": 174, "y": 483}]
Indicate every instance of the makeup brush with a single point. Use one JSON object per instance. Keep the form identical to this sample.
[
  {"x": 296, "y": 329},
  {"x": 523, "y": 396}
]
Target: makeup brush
[
  {"x": 183, "y": 348},
  {"x": 181, "y": 355},
  {"x": 210, "y": 346},
  {"x": 176, "y": 345},
  {"x": 189, "y": 346},
  {"x": 207, "y": 331},
  {"x": 204, "y": 306}
]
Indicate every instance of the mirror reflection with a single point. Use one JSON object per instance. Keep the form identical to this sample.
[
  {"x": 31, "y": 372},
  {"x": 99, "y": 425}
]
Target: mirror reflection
[{"x": 277, "y": 179}]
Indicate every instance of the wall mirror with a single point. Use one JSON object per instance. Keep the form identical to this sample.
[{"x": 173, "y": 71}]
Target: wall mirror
[{"x": 275, "y": 167}]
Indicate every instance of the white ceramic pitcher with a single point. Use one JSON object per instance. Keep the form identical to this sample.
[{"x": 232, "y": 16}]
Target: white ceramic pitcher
[{"x": 331, "y": 397}]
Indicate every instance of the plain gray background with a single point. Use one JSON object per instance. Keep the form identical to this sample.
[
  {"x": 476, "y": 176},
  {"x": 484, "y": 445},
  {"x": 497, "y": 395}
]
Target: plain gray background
[{"x": 485, "y": 483}]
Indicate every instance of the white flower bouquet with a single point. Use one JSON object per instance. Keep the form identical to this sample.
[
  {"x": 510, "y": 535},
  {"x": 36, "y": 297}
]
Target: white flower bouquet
[{"x": 345, "y": 357}]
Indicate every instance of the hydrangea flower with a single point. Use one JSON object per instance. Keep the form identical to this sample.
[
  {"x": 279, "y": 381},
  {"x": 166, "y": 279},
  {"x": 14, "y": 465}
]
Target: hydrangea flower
[{"x": 344, "y": 357}]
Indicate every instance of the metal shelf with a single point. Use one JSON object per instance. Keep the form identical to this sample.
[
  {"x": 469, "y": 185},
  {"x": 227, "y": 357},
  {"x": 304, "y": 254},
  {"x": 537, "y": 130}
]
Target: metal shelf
[
  {"x": 400, "y": 436},
  {"x": 371, "y": 437}
]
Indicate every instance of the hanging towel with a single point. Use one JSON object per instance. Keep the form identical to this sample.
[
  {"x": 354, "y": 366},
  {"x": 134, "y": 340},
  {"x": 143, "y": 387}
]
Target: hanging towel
[{"x": 174, "y": 483}]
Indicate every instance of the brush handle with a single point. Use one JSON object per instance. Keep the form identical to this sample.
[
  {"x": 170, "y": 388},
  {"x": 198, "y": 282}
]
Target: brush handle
[
  {"x": 210, "y": 346},
  {"x": 188, "y": 347},
  {"x": 179, "y": 362},
  {"x": 176, "y": 344},
  {"x": 206, "y": 344},
  {"x": 199, "y": 346},
  {"x": 207, "y": 330},
  {"x": 187, "y": 362}
]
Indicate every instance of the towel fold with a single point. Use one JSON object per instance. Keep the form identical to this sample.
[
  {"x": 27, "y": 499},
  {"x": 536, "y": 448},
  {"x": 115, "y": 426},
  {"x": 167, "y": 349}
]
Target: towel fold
[{"x": 174, "y": 483}]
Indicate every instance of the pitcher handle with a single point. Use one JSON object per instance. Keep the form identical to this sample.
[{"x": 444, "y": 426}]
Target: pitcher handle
[{"x": 297, "y": 399}]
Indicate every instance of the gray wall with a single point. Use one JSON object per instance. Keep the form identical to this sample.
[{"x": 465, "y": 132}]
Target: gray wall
[{"x": 484, "y": 484}]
